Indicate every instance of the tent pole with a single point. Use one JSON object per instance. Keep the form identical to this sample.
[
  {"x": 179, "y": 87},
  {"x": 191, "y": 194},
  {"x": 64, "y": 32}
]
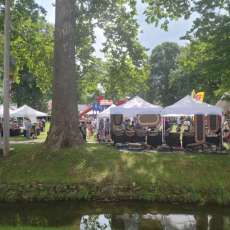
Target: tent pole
[
  {"x": 221, "y": 133},
  {"x": 163, "y": 129}
]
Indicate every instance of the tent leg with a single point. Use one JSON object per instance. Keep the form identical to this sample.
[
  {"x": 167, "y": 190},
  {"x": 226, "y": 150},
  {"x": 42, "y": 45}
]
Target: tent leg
[{"x": 163, "y": 130}]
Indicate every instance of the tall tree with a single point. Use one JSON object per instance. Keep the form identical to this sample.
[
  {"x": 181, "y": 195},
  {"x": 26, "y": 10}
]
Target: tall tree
[
  {"x": 162, "y": 62},
  {"x": 205, "y": 63},
  {"x": 64, "y": 130}
]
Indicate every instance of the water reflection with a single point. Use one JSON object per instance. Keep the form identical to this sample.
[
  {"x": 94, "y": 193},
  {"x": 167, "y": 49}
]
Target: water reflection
[
  {"x": 126, "y": 216},
  {"x": 102, "y": 222},
  {"x": 156, "y": 222}
]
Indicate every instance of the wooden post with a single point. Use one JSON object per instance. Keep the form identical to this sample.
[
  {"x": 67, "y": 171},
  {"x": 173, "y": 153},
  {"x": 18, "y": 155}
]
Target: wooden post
[{"x": 6, "y": 83}]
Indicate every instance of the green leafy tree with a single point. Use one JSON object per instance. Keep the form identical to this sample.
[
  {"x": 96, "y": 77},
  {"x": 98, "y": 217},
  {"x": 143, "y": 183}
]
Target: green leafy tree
[
  {"x": 31, "y": 51},
  {"x": 162, "y": 61},
  {"x": 27, "y": 92},
  {"x": 204, "y": 64},
  {"x": 124, "y": 71},
  {"x": 127, "y": 69}
]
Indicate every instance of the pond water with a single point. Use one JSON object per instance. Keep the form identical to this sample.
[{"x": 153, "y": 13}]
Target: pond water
[{"x": 112, "y": 216}]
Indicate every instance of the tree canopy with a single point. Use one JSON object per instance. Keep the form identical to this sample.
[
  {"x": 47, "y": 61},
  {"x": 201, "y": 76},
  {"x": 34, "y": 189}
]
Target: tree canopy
[{"x": 204, "y": 63}]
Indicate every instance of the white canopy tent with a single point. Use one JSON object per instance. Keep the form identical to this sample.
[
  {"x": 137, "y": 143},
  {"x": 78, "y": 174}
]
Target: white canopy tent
[
  {"x": 27, "y": 112},
  {"x": 106, "y": 112},
  {"x": 136, "y": 106},
  {"x": 187, "y": 106}
]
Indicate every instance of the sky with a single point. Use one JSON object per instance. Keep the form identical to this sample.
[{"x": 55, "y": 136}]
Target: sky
[{"x": 150, "y": 36}]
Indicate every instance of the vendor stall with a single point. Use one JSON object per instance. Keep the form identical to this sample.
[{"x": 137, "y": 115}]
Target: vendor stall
[
  {"x": 132, "y": 121},
  {"x": 197, "y": 123},
  {"x": 27, "y": 112},
  {"x": 103, "y": 124},
  {"x": 30, "y": 115}
]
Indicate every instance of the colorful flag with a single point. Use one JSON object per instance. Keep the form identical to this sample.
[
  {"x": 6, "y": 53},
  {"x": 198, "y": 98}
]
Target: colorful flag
[{"x": 199, "y": 96}]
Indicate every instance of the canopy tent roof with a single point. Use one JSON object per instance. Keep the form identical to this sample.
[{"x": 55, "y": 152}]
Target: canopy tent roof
[
  {"x": 136, "y": 106},
  {"x": 106, "y": 112},
  {"x": 187, "y": 106},
  {"x": 26, "y": 111}
]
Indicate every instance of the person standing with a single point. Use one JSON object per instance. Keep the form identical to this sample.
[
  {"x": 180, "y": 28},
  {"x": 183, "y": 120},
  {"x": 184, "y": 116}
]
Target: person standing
[
  {"x": 28, "y": 127},
  {"x": 107, "y": 130}
]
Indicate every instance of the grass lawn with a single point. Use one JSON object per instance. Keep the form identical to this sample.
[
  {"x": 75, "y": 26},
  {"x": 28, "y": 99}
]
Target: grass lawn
[{"x": 104, "y": 171}]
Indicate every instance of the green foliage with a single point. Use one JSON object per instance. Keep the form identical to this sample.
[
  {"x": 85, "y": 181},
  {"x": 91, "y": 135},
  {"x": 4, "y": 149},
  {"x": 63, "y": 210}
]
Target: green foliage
[
  {"x": 125, "y": 61},
  {"x": 162, "y": 12},
  {"x": 162, "y": 63},
  {"x": 204, "y": 64},
  {"x": 32, "y": 49},
  {"x": 27, "y": 92},
  {"x": 200, "y": 66},
  {"x": 31, "y": 53}
]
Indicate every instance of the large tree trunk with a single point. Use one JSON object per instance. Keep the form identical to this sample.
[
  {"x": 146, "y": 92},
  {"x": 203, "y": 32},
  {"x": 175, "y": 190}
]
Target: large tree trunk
[
  {"x": 64, "y": 130},
  {"x": 6, "y": 86}
]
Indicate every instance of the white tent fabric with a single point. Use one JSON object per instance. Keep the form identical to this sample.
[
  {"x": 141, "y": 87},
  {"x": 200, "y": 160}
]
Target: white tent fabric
[
  {"x": 136, "y": 106},
  {"x": 187, "y": 106},
  {"x": 106, "y": 112},
  {"x": 26, "y": 111}
]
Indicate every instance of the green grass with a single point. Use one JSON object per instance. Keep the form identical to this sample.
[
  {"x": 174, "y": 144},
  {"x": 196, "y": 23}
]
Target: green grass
[{"x": 154, "y": 176}]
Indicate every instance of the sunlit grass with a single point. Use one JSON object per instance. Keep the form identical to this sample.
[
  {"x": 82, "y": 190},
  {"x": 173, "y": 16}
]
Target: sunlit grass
[{"x": 100, "y": 165}]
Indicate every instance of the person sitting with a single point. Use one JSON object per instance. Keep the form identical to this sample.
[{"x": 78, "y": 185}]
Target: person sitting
[
  {"x": 137, "y": 125},
  {"x": 129, "y": 125},
  {"x": 186, "y": 125}
]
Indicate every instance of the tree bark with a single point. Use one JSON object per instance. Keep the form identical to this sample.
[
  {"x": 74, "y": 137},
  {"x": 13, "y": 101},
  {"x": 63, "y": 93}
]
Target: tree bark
[
  {"x": 6, "y": 84},
  {"x": 64, "y": 130}
]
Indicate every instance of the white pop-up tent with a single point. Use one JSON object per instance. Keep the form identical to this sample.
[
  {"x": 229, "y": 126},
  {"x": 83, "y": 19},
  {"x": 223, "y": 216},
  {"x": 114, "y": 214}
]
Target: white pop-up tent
[
  {"x": 106, "y": 112},
  {"x": 27, "y": 112},
  {"x": 136, "y": 106},
  {"x": 188, "y": 106}
]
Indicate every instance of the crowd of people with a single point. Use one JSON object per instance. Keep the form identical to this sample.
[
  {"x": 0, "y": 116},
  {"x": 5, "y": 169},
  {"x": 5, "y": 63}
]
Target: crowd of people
[
  {"x": 87, "y": 128},
  {"x": 33, "y": 129},
  {"x": 30, "y": 129}
]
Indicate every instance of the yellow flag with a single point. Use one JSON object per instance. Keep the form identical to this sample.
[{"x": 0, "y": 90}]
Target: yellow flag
[{"x": 200, "y": 96}]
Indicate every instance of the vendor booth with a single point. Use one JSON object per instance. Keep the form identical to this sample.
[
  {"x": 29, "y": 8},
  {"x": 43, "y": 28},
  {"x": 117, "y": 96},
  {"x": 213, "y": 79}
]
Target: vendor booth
[
  {"x": 189, "y": 122},
  {"x": 14, "y": 130},
  {"x": 103, "y": 124},
  {"x": 27, "y": 112},
  {"x": 133, "y": 121}
]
